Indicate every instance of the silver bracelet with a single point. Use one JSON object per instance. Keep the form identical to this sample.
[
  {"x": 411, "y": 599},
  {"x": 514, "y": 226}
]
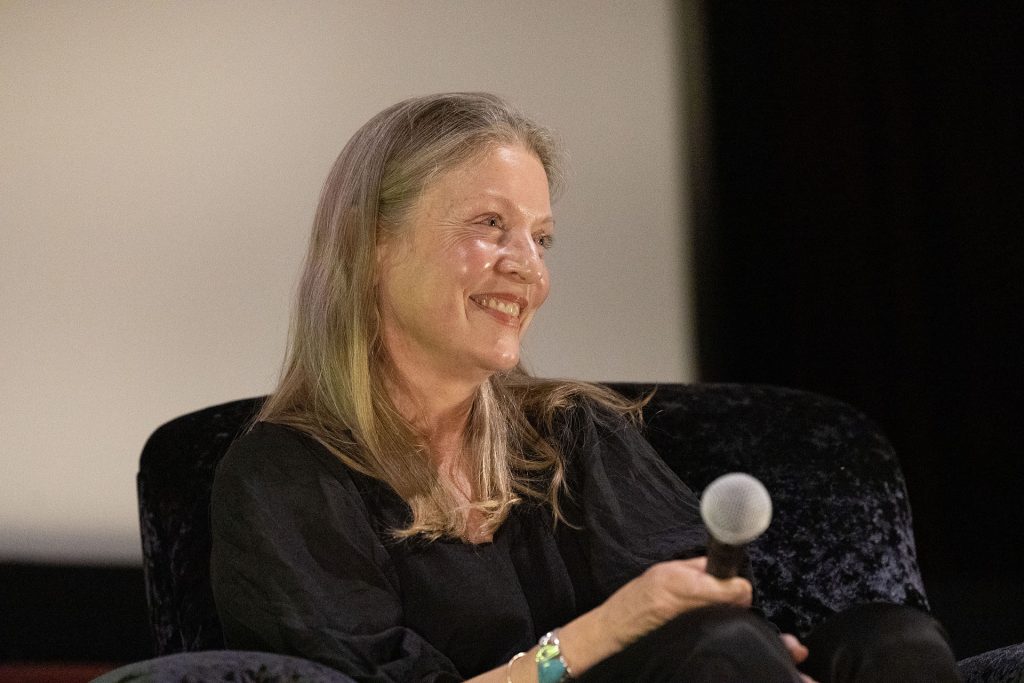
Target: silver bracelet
[{"x": 508, "y": 669}]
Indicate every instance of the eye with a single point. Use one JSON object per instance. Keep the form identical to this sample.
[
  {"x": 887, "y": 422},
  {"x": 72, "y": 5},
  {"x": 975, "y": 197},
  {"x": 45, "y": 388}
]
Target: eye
[
  {"x": 546, "y": 241},
  {"x": 493, "y": 222}
]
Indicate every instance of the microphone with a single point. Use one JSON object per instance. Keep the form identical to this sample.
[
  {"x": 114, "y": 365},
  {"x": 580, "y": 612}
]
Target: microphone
[{"x": 736, "y": 509}]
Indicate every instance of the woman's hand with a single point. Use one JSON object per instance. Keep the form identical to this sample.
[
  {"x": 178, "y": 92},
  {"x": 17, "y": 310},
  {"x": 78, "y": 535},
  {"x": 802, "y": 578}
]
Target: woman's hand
[
  {"x": 652, "y": 599},
  {"x": 657, "y": 596},
  {"x": 662, "y": 593}
]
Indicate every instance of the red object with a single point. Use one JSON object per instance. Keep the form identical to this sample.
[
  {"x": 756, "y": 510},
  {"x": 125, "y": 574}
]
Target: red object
[{"x": 53, "y": 673}]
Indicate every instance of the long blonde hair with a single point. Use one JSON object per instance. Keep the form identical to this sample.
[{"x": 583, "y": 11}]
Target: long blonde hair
[{"x": 333, "y": 383}]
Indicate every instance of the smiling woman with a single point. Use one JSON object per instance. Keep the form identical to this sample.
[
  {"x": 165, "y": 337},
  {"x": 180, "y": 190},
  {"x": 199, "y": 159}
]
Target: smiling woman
[
  {"x": 457, "y": 290},
  {"x": 411, "y": 505},
  {"x": 460, "y": 285},
  {"x": 429, "y": 233}
]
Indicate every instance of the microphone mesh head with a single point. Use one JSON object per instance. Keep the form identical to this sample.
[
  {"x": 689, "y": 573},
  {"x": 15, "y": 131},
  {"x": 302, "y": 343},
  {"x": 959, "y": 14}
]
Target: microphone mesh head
[{"x": 736, "y": 508}]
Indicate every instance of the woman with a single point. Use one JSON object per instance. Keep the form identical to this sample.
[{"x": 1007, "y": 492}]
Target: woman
[{"x": 411, "y": 505}]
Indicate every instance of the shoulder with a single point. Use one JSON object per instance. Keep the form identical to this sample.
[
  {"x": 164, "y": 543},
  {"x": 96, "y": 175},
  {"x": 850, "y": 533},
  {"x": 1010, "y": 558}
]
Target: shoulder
[
  {"x": 275, "y": 456},
  {"x": 269, "y": 445},
  {"x": 266, "y": 438},
  {"x": 601, "y": 443},
  {"x": 587, "y": 421},
  {"x": 280, "y": 485},
  {"x": 561, "y": 409}
]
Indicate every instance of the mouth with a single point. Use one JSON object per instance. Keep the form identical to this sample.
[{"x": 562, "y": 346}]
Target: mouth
[{"x": 509, "y": 308}]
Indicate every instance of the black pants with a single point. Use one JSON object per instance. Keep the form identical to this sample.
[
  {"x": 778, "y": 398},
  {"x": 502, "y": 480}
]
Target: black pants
[{"x": 877, "y": 643}]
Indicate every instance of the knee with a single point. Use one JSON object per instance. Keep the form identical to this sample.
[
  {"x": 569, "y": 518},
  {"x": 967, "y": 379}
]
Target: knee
[
  {"x": 732, "y": 628},
  {"x": 901, "y": 633},
  {"x": 715, "y": 644},
  {"x": 731, "y": 639},
  {"x": 881, "y": 642},
  {"x": 883, "y": 624}
]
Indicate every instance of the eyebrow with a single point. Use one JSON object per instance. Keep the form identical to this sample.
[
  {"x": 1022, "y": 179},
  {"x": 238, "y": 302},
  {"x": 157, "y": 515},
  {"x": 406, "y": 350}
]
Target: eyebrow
[{"x": 543, "y": 220}]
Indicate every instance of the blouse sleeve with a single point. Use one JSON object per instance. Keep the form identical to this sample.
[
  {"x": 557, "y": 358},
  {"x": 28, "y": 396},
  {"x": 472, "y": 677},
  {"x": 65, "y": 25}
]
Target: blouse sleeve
[
  {"x": 298, "y": 569},
  {"x": 629, "y": 509}
]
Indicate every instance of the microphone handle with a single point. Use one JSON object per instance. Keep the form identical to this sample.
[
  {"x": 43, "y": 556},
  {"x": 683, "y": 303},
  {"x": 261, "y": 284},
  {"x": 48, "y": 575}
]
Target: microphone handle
[{"x": 724, "y": 560}]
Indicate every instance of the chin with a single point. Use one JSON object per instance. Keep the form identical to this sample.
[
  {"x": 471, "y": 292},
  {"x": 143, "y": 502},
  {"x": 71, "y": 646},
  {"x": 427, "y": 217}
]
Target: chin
[{"x": 504, "y": 362}]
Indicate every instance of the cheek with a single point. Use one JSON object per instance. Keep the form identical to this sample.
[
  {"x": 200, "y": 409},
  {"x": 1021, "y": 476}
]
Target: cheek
[{"x": 473, "y": 258}]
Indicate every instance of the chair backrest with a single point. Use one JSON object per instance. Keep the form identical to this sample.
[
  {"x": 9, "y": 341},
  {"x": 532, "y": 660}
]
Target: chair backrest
[{"x": 841, "y": 532}]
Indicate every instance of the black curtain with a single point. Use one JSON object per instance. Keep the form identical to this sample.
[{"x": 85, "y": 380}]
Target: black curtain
[{"x": 864, "y": 239}]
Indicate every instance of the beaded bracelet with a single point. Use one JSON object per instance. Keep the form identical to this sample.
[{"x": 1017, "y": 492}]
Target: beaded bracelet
[{"x": 551, "y": 665}]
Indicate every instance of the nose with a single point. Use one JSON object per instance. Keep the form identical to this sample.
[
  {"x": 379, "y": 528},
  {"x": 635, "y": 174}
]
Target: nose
[{"x": 521, "y": 258}]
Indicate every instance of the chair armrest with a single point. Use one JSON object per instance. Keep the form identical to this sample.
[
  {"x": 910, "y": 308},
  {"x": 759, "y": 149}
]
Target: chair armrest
[
  {"x": 174, "y": 480},
  {"x": 1005, "y": 665},
  {"x": 238, "y": 666}
]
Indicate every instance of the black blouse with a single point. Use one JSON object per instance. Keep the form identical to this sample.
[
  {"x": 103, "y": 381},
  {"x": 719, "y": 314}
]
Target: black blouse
[{"x": 303, "y": 562}]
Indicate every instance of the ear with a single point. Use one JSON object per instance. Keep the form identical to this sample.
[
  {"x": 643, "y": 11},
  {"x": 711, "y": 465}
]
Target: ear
[
  {"x": 384, "y": 251},
  {"x": 390, "y": 248}
]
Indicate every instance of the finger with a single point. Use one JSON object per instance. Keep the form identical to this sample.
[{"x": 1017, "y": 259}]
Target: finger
[
  {"x": 693, "y": 582},
  {"x": 736, "y": 590},
  {"x": 797, "y": 650},
  {"x": 807, "y": 679},
  {"x": 700, "y": 563}
]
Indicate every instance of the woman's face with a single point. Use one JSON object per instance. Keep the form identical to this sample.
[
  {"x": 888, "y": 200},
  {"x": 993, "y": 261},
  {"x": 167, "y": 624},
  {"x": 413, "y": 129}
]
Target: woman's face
[{"x": 461, "y": 283}]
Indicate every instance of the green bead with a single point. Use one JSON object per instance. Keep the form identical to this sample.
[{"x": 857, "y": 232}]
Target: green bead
[
  {"x": 547, "y": 652},
  {"x": 550, "y": 668}
]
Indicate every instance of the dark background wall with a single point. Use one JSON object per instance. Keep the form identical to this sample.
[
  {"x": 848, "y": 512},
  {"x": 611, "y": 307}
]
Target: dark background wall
[
  {"x": 65, "y": 613},
  {"x": 861, "y": 236}
]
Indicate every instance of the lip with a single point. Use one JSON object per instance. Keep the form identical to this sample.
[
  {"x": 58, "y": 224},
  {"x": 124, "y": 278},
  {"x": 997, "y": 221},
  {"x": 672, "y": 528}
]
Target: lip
[{"x": 503, "y": 318}]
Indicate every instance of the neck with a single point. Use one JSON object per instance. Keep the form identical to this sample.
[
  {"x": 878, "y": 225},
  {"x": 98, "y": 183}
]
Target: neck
[{"x": 438, "y": 410}]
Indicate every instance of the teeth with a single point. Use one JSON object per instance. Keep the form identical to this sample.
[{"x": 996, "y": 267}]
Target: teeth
[{"x": 503, "y": 306}]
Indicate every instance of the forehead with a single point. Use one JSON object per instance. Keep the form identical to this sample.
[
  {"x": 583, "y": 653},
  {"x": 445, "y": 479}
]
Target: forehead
[{"x": 502, "y": 174}]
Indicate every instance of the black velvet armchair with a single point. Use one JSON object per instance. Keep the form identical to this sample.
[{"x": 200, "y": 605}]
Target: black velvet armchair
[{"x": 841, "y": 532}]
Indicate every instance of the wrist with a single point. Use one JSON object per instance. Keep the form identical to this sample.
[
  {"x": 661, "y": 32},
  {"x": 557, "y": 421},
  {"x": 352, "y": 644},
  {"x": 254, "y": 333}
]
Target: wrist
[
  {"x": 584, "y": 642},
  {"x": 552, "y": 666},
  {"x": 512, "y": 663}
]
